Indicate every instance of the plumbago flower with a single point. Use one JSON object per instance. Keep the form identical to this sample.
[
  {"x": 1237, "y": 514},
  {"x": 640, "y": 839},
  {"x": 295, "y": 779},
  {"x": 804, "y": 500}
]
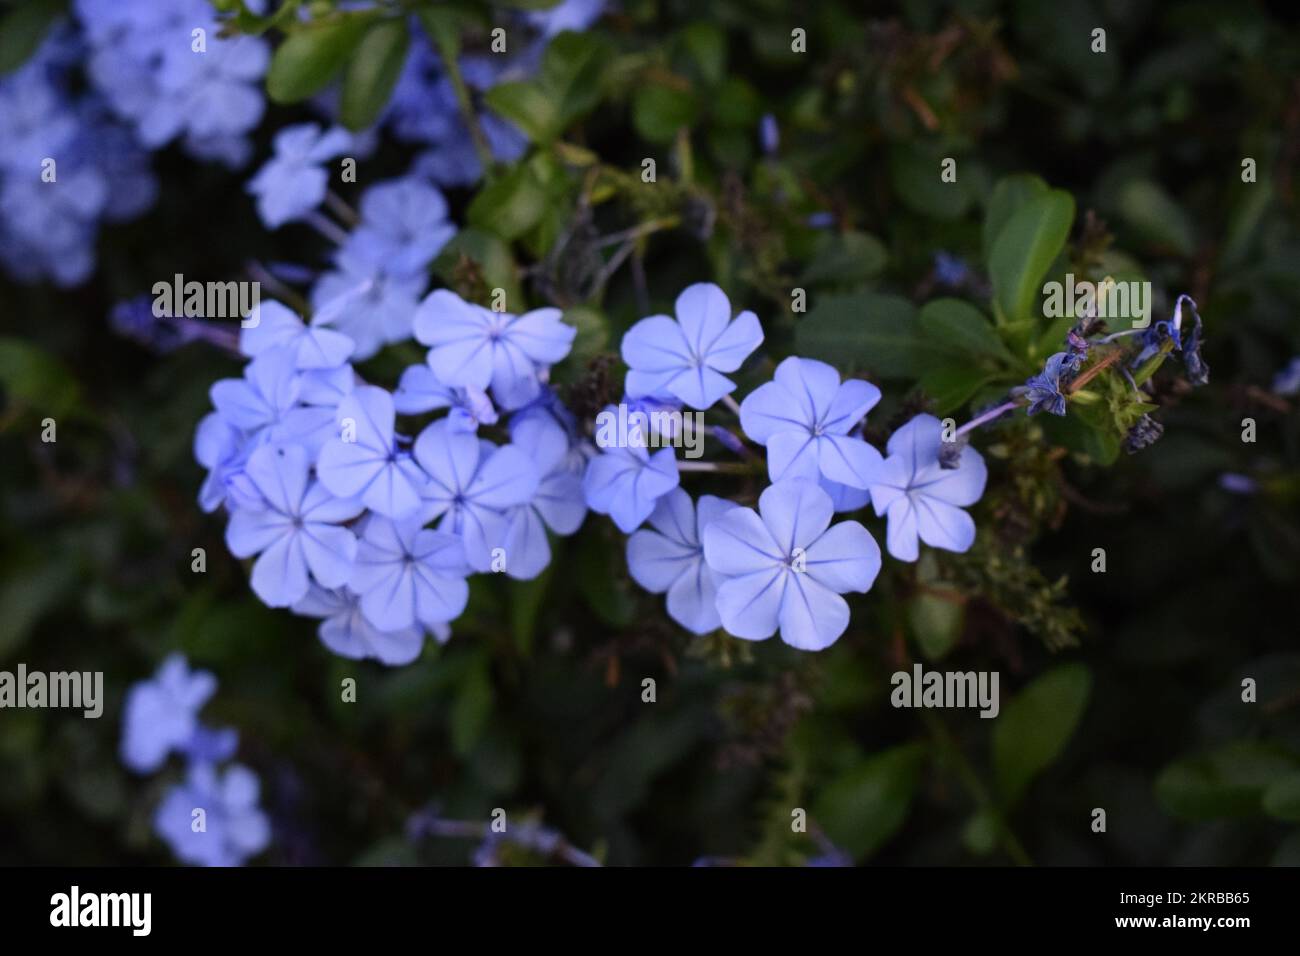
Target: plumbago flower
[
  {"x": 364, "y": 461},
  {"x": 785, "y": 567},
  {"x": 408, "y": 575},
  {"x": 347, "y": 632},
  {"x": 804, "y": 416},
  {"x": 922, "y": 499},
  {"x": 475, "y": 347},
  {"x": 234, "y": 828},
  {"x": 293, "y": 182},
  {"x": 626, "y": 481},
  {"x": 161, "y": 717},
  {"x": 671, "y": 558},
  {"x": 686, "y": 358},
  {"x": 557, "y": 504},
  {"x": 420, "y": 391},
  {"x": 311, "y": 346},
  {"x": 297, "y": 531}
]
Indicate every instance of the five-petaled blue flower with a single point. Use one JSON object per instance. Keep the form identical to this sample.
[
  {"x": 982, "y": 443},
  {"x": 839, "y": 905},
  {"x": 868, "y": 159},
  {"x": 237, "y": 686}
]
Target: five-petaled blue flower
[
  {"x": 298, "y": 531},
  {"x": 686, "y": 358},
  {"x": 804, "y": 416},
  {"x": 922, "y": 499},
  {"x": 312, "y": 346},
  {"x": 234, "y": 827},
  {"x": 1044, "y": 389},
  {"x": 293, "y": 181},
  {"x": 409, "y": 575},
  {"x": 161, "y": 715},
  {"x": 785, "y": 566},
  {"x": 626, "y": 481},
  {"x": 558, "y": 503},
  {"x": 347, "y": 632},
  {"x": 671, "y": 558},
  {"x": 474, "y": 346},
  {"x": 363, "y": 460},
  {"x": 472, "y": 485}
]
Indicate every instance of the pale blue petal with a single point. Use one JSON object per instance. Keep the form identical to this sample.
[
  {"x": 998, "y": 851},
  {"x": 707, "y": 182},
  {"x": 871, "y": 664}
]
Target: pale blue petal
[
  {"x": 750, "y": 605},
  {"x": 812, "y": 616}
]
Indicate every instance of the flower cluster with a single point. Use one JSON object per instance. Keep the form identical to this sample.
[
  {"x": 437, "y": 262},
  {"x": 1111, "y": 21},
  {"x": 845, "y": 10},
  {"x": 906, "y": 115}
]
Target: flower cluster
[{"x": 212, "y": 817}]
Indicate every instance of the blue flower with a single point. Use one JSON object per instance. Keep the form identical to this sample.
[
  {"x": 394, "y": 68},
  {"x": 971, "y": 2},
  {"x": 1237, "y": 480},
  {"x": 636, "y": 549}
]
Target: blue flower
[
  {"x": 804, "y": 417},
  {"x": 950, "y": 270},
  {"x": 474, "y": 346},
  {"x": 293, "y": 182},
  {"x": 364, "y": 461},
  {"x": 1287, "y": 381},
  {"x": 419, "y": 391},
  {"x": 922, "y": 499},
  {"x": 296, "y": 532},
  {"x": 404, "y": 225},
  {"x": 472, "y": 485},
  {"x": 263, "y": 396},
  {"x": 161, "y": 715},
  {"x": 671, "y": 558},
  {"x": 557, "y": 504},
  {"x": 348, "y": 632},
  {"x": 626, "y": 481},
  {"x": 312, "y": 346},
  {"x": 686, "y": 358},
  {"x": 363, "y": 301},
  {"x": 234, "y": 827},
  {"x": 785, "y": 566},
  {"x": 576, "y": 15},
  {"x": 311, "y": 422},
  {"x": 408, "y": 575},
  {"x": 1044, "y": 389}
]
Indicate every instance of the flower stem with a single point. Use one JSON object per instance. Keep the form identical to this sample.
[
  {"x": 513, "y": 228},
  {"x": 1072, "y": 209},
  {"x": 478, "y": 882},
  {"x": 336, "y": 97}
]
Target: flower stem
[
  {"x": 987, "y": 417},
  {"x": 732, "y": 467},
  {"x": 451, "y": 63},
  {"x": 731, "y": 404},
  {"x": 326, "y": 227}
]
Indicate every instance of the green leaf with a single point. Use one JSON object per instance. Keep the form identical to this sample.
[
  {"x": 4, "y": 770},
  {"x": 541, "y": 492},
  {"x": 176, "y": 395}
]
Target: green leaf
[
  {"x": 34, "y": 378},
  {"x": 935, "y": 621},
  {"x": 659, "y": 111},
  {"x": 308, "y": 59},
  {"x": 1035, "y": 726},
  {"x": 489, "y": 254},
  {"x": 472, "y": 707},
  {"x": 845, "y": 259},
  {"x": 1024, "y": 250},
  {"x": 27, "y": 595},
  {"x": 1009, "y": 195},
  {"x": 568, "y": 86},
  {"x": 511, "y": 205},
  {"x": 373, "y": 72},
  {"x": 951, "y": 385},
  {"x": 1228, "y": 782},
  {"x": 962, "y": 328},
  {"x": 23, "y": 28},
  {"x": 1154, "y": 215},
  {"x": 865, "y": 807},
  {"x": 915, "y": 172},
  {"x": 706, "y": 45},
  {"x": 1282, "y": 798},
  {"x": 864, "y": 330}
]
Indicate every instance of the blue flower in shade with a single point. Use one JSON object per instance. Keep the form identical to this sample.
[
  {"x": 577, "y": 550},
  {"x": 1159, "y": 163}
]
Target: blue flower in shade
[
  {"x": 922, "y": 499},
  {"x": 261, "y": 398},
  {"x": 472, "y": 485},
  {"x": 297, "y": 531},
  {"x": 311, "y": 422},
  {"x": 1044, "y": 389},
  {"x": 220, "y": 447},
  {"x": 686, "y": 358},
  {"x": 785, "y": 567},
  {"x": 293, "y": 182},
  {"x": 234, "y": 827},
  {"x": 576, "y": 15},
  {"x": 407, "y": 575},
  {"x": 626, "y": 481},
  {"x": 312, "y": 346},
  {"x": 404, "y": 225},
  {"x": 161, "y": 715},
  {"x": 347, "y": 632},
  {"x": 804, "y": 417},
  {"x": 557, "y": 504},
  {"x": 1287, "y": 381},
  {"x": 950, "y": 270},
  {"x": 670, "y": 558},
  {"x": 474, "y": 346},
  {"x": 363, "y": 301},
  {"x": 363, "y": 460},
  {"x": 419, "y": 391}
]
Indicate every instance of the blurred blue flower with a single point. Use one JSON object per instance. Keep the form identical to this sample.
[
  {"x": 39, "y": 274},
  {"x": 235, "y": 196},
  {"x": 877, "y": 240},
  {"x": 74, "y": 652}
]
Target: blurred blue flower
[
  {"x": 160, "y": 715},
  {"x": 312, "y": 346},
  {"x": 404, "y": 225},
  {"x": 362, "y": 460},
  {"x": 419, "y": 391},
  {"x": 785, "y": 567},
  {"x": 233, "y": 826},
  {"x": 293, "y": 181},
  {"x": 472, "y": 485},
  {"x": 365, "y": 302},
  {"x": 348, "y": 632},
  {"x": 670, "y": 558},
  {"x": 575, "y": 15},
  {"x": 1044, "y": 389},
  {"x": 474, "y": 346},
  {"x": 298, "y": 530},
  {"x": 267, "y": 391},
  {"x": 804, "y": 416},
  {"x": 922, "y": 499},
  {"x": 408, "y": 575},
  {"x": 1287, "y": 381},
  {"x": 686, "y": 358}
]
